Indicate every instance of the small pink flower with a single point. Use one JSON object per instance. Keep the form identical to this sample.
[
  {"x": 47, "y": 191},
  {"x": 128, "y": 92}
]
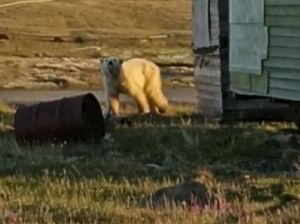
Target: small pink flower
[
  {"x": 195, "y": 208},
  {"x": 206, "y": 208},
  {"x": 12, "y": 217},
  {"x": 278, "y": 212},
  {"x": 223, "y": 205},
  {"x": 247, "y": 216}
]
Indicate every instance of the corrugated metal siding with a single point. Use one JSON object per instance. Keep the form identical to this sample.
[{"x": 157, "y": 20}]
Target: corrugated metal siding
[
  {"x": 211, "y": 69},
  {"x": 283, "y": 64}
]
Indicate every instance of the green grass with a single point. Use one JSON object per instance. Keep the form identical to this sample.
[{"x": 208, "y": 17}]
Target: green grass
[{"x": 243, "y": 164}]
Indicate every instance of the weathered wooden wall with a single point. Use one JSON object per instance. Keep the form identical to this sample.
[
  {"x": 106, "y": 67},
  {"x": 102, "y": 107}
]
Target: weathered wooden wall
[
  {"x": 283, "y": 64},
  {"x": 210, "y": 48}
]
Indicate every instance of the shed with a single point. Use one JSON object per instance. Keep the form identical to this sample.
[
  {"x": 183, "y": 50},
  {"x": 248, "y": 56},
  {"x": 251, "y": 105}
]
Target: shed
[{"x": 249, "y": 49}]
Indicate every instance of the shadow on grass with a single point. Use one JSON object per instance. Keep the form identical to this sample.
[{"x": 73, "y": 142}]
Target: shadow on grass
[
  {"x": 71, "y": 214},
  {"x": 156, "y": 148}
]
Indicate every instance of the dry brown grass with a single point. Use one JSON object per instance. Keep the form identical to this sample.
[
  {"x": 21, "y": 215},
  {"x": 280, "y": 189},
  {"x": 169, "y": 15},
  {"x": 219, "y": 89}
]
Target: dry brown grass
[
  {"x": 6, "y": 114},
  {"x": 92, "y": 18},
  {"x": 249, "y": 168},
  {"x": 119, "y": 28},
  {"x": 122, "y": 17},
  {"x": 5, "y": 109}
]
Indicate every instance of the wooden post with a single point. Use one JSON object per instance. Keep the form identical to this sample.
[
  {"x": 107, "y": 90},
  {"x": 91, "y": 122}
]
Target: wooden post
[{"x": 211, "y": 57}]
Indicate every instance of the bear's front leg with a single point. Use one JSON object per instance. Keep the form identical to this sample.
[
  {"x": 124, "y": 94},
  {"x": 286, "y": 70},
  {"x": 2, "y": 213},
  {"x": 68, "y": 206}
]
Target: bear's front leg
[{"x": 112, "y": 103}]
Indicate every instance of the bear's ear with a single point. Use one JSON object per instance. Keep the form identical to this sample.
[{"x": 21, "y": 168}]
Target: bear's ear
[{"x": 121, "y": 61}]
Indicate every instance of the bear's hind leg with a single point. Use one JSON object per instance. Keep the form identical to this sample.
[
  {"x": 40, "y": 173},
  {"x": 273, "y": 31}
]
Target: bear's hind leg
[
  {"x": 152, "y": 105},
  {"x": 158, "y": 100},
  {"x": 140, "y": 98}
]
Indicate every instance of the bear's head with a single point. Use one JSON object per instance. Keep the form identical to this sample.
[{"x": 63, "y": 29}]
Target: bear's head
[{"x": 111, "y": 66}]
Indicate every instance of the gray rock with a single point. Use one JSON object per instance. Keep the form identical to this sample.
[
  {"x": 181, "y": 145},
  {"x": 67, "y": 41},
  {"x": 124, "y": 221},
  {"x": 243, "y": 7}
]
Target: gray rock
[{"x": 187, "y": 192}]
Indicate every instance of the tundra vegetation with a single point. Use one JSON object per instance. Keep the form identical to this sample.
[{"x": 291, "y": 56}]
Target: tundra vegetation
[{"x": 208, "y": 172}]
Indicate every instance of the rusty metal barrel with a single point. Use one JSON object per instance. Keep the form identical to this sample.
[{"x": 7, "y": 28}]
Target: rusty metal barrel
[{"x": 70, "y": 119}]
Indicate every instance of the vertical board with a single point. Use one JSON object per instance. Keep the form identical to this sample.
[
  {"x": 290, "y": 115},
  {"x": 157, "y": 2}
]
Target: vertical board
[
  {"x": 201, "y": 23},
  {"x": 211, "y": 65},
  {"x": 248, "y": 36},
  {"x": 248, "y": 47},
  {"x": 208, "y": 86},
  {"x": 246, "y": 11}
]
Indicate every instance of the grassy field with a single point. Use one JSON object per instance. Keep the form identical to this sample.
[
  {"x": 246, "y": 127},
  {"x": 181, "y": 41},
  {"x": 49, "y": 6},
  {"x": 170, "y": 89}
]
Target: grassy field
[
  {"x": 90, "y": 29},
  {"x": 250, "y": 173}
]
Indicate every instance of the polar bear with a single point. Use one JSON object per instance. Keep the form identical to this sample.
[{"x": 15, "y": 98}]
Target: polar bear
[{"x": 138, "y": 78}]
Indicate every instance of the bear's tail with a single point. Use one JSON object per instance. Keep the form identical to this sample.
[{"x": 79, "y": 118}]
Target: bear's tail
[{"x": 159, "y": 100}]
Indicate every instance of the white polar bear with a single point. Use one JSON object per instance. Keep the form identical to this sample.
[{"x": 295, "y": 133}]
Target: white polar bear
[{"x": 137, "y": 78}]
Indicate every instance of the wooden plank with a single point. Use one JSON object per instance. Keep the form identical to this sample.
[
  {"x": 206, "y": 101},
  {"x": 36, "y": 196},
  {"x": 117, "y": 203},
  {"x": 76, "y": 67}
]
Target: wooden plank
[
  {"x": 291, "y": 21},
  {"x": 214, "y": 19},
  {"x": 214, "y": 4},
  {"x": 217, "y": 31},
  {"x": 284, "y": 32},
  {"x": 284, "y": 52},
  {"x": 209, "y": 103},
  {"x": 212, "y": 98},
  {"x": 207, "y": 80},
  {"x": 205, "y": 50},
  {"x": 204, "y": 102},
  {"x": 256, "y": 110},
  {"x": 260, "y": 83},
  {"x": 285, "y": 84},
  {"x": 282, "y": 2},
  {"x": 215, "y": 24},
  {"x": 213, "y": 8},
  {"x": 291, "y": 42},
  {"x": 208, "y": 86},
  {"x": 200, "y": 23},
  {"x": 245, "y": 57},
  {"x": 283, "y": 73},
  {"x": 211, "y": 113},
  {"x": 284, "y": 94},
  {"x": 211, "y": 62},
  {"x": 240, "y": 81},
  {"x": 223, "y": 26},
  {"x": 286, "y": 63},
  {"x": 209, "y": 89},
  {"x": 250, "y": 11},
  {"x": 215, "y": 42},
  {"x": 207, "y": 72},
  {"x": 282, "y": 11},
  {"x": 232, "y": 104}
]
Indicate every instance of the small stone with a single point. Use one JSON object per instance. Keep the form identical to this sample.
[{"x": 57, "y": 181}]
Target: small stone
[
  {"x": 4, "y": 36},
  {"x": 58, "y": 40},
  {"x": 177, "y": 194}
]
